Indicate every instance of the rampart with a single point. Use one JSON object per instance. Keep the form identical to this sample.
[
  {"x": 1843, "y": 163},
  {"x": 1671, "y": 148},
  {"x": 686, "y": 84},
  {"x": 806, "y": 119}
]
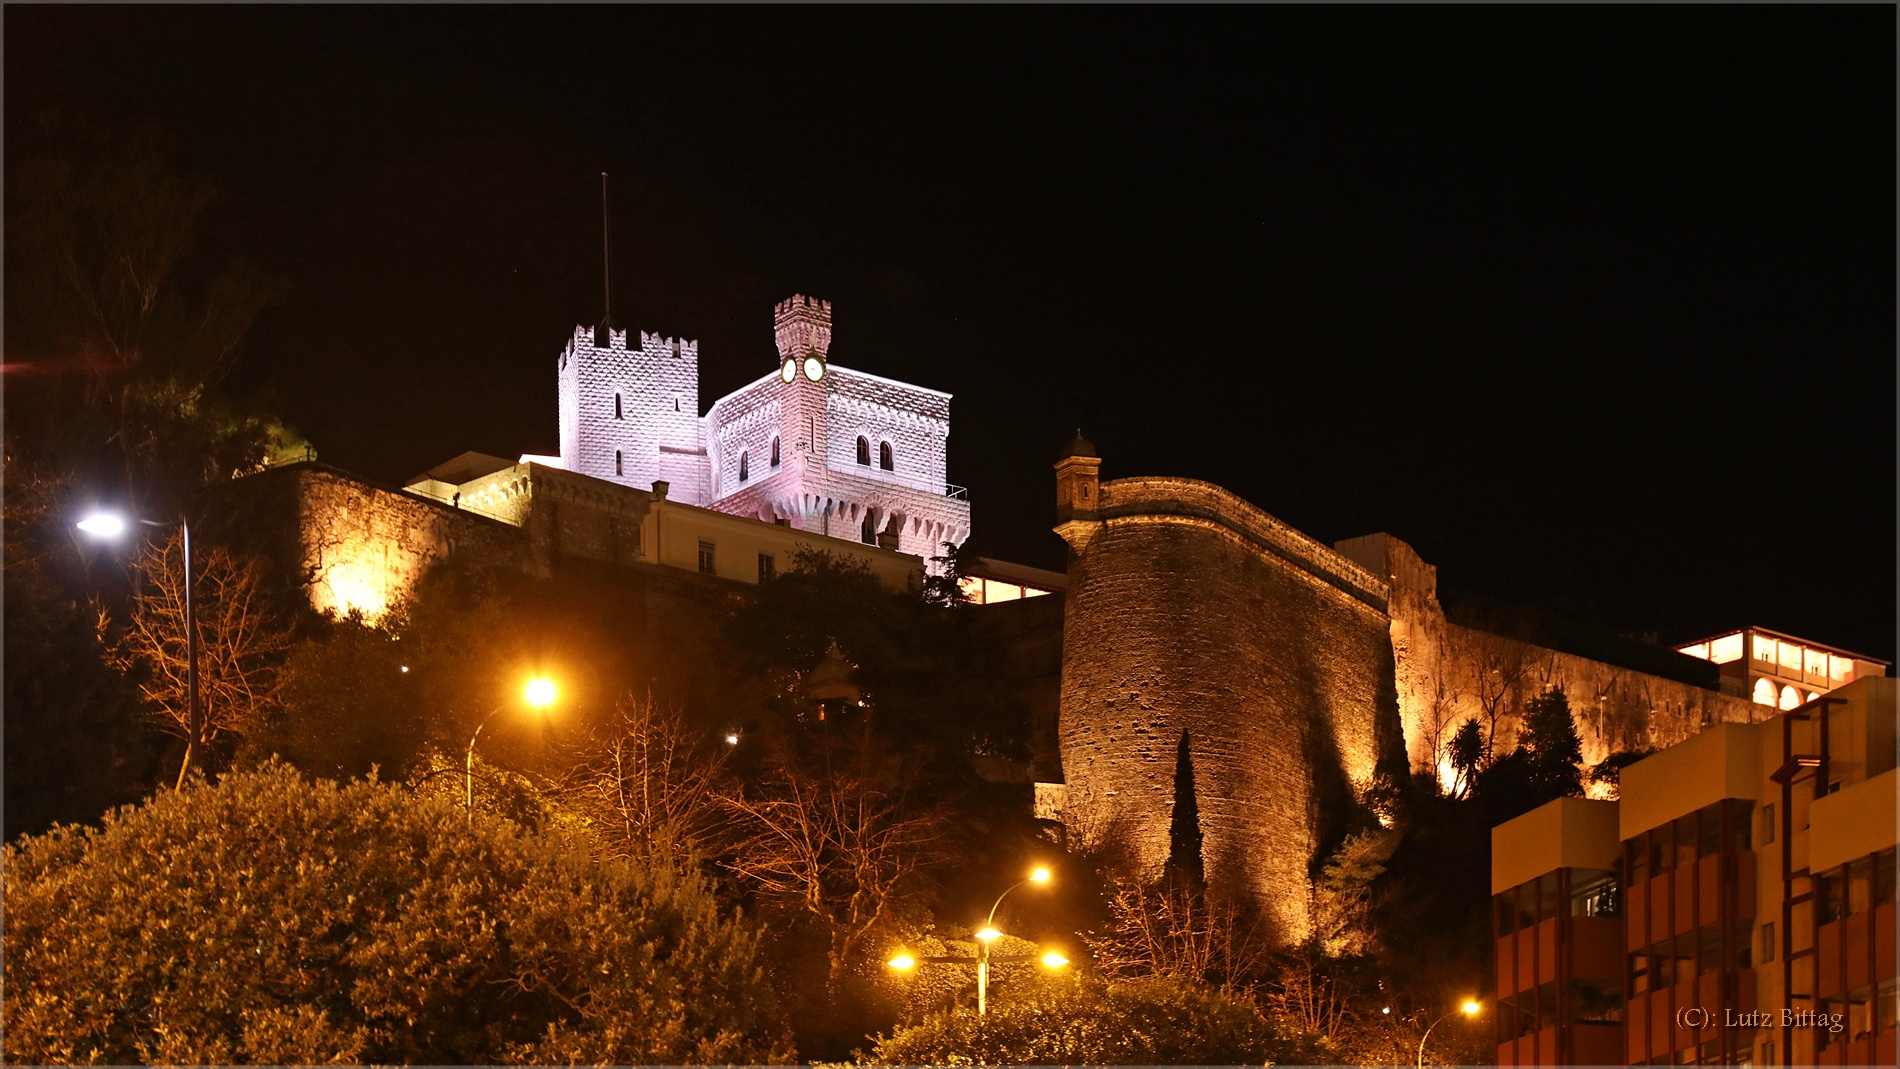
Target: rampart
[{"x": 1190, "y": 610}]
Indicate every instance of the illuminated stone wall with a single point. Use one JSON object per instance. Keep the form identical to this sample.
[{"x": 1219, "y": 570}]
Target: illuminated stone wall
[
  {"x": 640, "y": 402},
  {"x": 1189, "y": 609},
  {"x": 1445, "y": 670}
]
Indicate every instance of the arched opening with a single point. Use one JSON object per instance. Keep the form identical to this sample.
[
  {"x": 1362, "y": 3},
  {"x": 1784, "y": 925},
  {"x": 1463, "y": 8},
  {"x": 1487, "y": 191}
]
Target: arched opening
[
  {"x": 775, "y": 452},
  {"x": 864, "y": 451},
  {"x": 1790, "y": 697},
  {"x": 616, "y": 406},
  {"x": 617, "y": 468},
  {"x": 744, "y": 467},
  {"x": 1764, "y": 693},
  {"x": 868, "y": 534},
  {"x": 884, "y": 457}
]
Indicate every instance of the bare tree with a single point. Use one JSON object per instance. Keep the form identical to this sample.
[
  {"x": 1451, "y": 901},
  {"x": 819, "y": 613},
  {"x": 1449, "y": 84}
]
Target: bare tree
[
  {"x": 1174, "y": 931},
  {"x": 240, "y": 642},
  {"x": 836, "y": 848},
  {"x": 645, "y": 786},
  {"x": 1497, "y": 667}
]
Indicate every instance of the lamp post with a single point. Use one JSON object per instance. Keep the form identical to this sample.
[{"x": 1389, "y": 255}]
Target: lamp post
[
  {"x": 984, "y": 936},
  {"x": 539, "y": 693},
  {"x": 110, "y": 525},
  {"x": 1468, "y": 1008}
]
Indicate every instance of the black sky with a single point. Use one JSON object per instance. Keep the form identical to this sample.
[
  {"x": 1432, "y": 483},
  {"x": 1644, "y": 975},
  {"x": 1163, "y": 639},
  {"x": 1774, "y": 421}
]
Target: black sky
[{"x": 1593, "y": 306}]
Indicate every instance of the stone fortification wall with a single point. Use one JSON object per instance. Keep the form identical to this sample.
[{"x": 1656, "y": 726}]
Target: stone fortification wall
[
  {"x": 1448, "y": 673},
  {"x": 1190, "y": 610},
  {"x": 355, "y": 545}
]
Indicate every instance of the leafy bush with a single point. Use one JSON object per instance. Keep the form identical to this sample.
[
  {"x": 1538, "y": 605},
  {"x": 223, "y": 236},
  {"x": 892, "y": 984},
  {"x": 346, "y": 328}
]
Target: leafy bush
[
  {"x": 1151, "y": 1022},
  {"x": 269, "y": 919}
]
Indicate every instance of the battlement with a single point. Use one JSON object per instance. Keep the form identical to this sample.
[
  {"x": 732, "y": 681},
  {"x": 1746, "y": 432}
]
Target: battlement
[
  {"x": 802, "y": 325},
  {"x": 617, "y": 339}
]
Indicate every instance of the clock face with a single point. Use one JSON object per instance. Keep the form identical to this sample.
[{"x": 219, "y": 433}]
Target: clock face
[
  {"x": 814, "y": 368},
  {"x": 789, "y": 371}
]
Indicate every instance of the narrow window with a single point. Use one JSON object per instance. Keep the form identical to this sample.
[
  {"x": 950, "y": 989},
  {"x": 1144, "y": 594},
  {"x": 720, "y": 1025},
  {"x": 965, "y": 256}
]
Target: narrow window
[
  {"x": 864, "y": 451},
  {"x": 775, "y": 452},
  {"x": 884, "y": 457},
  {"x": 1767, "y": 824},
  {"x": 616, "y": 406},
  {"x": 676, "y": 349},
  {"x": 676, "y": 404},
  {"x": 868, "y": 535},
  {"x": 617, "y": 468},
  {"x": 1768, "y": 942},
  {"x": 706, "y": 558},
  {"x": 744, "y": 466},
  {"x": 767, "y": 567}
]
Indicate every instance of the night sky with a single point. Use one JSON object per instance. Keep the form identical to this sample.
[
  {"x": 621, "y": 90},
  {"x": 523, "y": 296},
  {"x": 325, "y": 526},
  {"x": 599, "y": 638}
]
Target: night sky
[{"x": 1593, "y": 306}]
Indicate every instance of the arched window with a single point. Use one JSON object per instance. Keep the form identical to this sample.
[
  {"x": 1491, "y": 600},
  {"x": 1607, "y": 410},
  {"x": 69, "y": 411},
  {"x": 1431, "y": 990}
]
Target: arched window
[
  {"x": 869, "y": 534},
  {"x": 864, "y": 451},
  {"x": 616, "y": 406},
  {"x": 744, "y": 467},
  {"x": 1790, "y": 697},
  {"x": 617, "y": 468},
  {"x": 884, "y": 457},
  {"x": 1764, "y": 692},
  {"x": 775, "y": 452}
]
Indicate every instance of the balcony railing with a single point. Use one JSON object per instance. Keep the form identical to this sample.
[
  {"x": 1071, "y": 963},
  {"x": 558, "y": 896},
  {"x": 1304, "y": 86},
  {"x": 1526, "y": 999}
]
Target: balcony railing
[{"x": 959, "y": 493}]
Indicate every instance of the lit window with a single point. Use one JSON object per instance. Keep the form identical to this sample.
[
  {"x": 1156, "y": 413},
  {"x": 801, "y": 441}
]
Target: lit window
[
  {"x": 617, "y": 468},
  {"x": 767, "y": 567},
  {"x": 1764, "y": 692},
  {"x": 1791, "y": 658},
  {"x": 972, "y": 589},
  {"x": 706, "y": 564},
  {"x": 1725, "y": 649},
  {"x": 1840, "y": 669},
  {"x": 884, "y": 457},
  {"x": 1765, "y": 649},
  {"x": 744, "y": 466},
  {"x": 616, "y": 406},
  {"x": 775, "y": 452},
  {"x": 864, "y": 451},
  {"x": 1699, "y": 650},
  {"x": 1790, "y": 697}
]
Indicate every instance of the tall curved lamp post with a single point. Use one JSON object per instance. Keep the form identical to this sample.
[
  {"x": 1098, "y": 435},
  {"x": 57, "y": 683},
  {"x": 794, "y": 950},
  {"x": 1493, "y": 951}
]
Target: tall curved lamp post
[
  {"x": 1469, "y": 1008},
  {"x": 539, "y": 693},
  {"x": 1049, "y": 959},
  {"x": 109, "y": 526}
]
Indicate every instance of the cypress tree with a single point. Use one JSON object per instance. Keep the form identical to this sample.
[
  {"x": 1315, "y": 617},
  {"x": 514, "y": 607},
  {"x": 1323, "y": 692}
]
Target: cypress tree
[{"x": 1184, "y": 830}]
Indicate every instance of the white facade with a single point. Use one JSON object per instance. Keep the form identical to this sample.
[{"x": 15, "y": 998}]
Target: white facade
[{"x": 811, "y": 445}]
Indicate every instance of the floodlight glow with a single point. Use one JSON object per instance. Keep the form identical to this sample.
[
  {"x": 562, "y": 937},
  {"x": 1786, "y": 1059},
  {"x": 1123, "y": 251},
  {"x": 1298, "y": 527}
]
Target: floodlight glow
[
  {"x": 540, "y": 692},
  {"x": 103, "y": 525}
]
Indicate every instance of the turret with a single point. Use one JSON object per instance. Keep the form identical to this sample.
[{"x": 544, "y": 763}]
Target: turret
[
  {"x": 803, "y": 329},
  {"x": 1078, "y": 491}
]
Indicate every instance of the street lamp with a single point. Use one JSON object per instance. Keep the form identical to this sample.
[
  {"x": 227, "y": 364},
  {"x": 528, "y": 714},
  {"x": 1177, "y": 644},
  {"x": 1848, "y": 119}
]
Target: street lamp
[
  {"x": 539, "y": 693},
  {"x": 984, "y": 937},
  {"x": 110, "y": 525},
  {"x": 1469, "y": 1008}
]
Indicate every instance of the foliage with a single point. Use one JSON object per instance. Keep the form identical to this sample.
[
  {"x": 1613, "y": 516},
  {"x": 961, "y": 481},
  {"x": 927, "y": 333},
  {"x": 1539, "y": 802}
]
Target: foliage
[
  {"x": 241, "y": 640},
  {"x": 647, "y": 788},
  {"x": 1185, "y": 863},
  {"x": 268, "y": 919},
  {"x": 1550, "y": 737},
  {"x": 1608, "y": 773},
  {"x": 1467, "y": 756},
  {"x": 1178, "y": 931},
  {"x": 347, "y": 705},
  {"x": 1153, "y": 1022},
  {"x": 1341, "y": 923},
  {"x": 836, "y": 848}
]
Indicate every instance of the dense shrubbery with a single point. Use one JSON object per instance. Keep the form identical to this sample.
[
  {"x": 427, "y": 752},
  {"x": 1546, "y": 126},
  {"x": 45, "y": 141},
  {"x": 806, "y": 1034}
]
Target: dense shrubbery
[
  {"x": 1152, "y": 1022},
  {"x": 267, "y": 919}
]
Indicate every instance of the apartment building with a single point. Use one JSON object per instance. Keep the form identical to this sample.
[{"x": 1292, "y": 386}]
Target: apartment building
[{"x": 1735, "y": 906}]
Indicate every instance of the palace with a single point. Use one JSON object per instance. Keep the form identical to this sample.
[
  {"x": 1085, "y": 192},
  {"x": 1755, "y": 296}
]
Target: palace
[{"x": 810, "y": 445}]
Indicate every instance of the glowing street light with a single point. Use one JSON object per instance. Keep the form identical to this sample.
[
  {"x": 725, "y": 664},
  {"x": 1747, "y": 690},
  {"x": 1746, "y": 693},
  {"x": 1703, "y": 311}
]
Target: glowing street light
[
  {"x": 539, "y": 693},
  {"x": 1469, "y": 1008},
  {"x": 902, "y": 962},
  {"x": 1054, "y": 960},
  {"x": 732, "y": 738},
  {"x": 110, "y": 525}
]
